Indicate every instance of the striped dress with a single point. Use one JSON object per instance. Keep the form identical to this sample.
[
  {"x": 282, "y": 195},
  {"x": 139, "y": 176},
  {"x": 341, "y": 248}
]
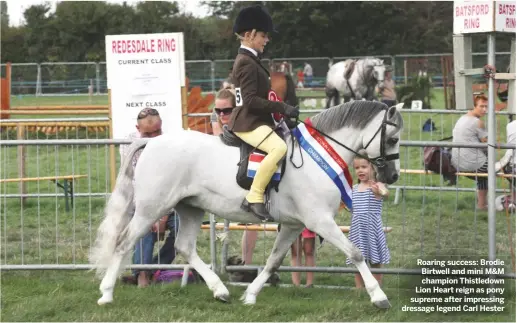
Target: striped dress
[{"x": 366, "y": 231}]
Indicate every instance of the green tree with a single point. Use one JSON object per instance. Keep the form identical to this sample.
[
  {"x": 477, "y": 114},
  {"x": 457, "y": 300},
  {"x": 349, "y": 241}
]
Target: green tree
[
  {"x": 40, "y": 32},
  {"x": 77, "y": 30},
  {"x": 156, "y": 16},
  {"x": 4, "y": 15},
  {"x": 12, "y": 44}
]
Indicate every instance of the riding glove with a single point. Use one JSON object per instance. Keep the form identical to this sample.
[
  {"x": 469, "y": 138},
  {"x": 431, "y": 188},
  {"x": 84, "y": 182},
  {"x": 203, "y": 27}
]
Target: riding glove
[
  {"x": 291, "y": 124},
  {"x": 291, "y": 112}
]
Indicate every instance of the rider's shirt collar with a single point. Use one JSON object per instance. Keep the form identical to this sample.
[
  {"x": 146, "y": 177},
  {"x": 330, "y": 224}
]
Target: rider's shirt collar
[{"x": 254, "y": 52}]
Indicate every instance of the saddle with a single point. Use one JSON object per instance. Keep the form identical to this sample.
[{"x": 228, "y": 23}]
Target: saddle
[
  {"x": 349, "y": 68},
  {"x": 246, "y": 170}
]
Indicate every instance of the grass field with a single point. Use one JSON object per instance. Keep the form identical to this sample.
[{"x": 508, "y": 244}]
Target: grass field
[
  {"x": 426, "y": 225},
  {"x": 30, "y": 100}
]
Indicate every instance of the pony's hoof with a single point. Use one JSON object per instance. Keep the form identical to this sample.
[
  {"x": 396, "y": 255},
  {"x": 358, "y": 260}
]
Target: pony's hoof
[
  {"x": 249, "y": 299},
  {"x": 105, "y": 299},
  {"x": 382, "y": 304},
  {"x": 225, "y": 298},
  {"x": 222, "y": 295}
]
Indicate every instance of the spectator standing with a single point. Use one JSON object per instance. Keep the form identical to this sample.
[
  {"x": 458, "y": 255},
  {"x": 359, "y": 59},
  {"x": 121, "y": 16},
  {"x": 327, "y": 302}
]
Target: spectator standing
[
  {"x": 471, "y": 129},
  {"x": 307, "y": 72}
]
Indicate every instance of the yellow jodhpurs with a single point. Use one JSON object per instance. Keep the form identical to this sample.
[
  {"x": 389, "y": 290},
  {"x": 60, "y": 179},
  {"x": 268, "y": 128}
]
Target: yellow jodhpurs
[{"x": 275, "y": 148}]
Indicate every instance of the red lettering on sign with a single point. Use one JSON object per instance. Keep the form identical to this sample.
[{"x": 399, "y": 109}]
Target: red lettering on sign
[
  {"x": 510, "y": 23},
  {"x": 469, "y": 23},
  {"x": 506, "y": 9},
  {"x": 166, "y": 45},
  {"x": 472, "y": 10},
  {"x": 132, "y": 46}
]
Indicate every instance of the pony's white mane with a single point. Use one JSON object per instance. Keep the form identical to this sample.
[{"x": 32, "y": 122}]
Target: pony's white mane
[
  {"x": 372, "y": 61},
  {"x": 356, "y": 114}
]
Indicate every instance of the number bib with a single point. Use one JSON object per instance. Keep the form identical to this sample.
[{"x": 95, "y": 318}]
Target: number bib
[{"x": 238, "y": 97}]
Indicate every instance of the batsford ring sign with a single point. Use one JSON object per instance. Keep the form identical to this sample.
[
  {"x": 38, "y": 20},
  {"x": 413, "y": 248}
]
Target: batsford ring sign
[
  {"x": 145, "y": 71},
  {"x": 484, "y": 16}
]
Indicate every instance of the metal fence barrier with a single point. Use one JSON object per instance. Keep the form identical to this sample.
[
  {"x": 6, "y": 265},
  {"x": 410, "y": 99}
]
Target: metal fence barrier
[
  {"x": 77, "y": 78},
  {"x": 41, "y": 235}
]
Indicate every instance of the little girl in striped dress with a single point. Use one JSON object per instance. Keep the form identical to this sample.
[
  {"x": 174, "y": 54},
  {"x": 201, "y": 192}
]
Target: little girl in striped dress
[{"x": 366, "y": 231}]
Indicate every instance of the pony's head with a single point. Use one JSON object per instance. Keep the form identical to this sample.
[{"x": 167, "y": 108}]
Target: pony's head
[
  {"x": 378, "y": 131},
  {"x": 379, "y": 69},
  {"x": 383, "y": 146}
]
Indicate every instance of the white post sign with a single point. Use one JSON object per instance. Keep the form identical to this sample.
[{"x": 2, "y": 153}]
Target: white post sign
[
  {"x": 145, "y": 71},
  {"x": 505, "y": 16},
  {"x": 416, "y": 105},
  {"x": 484, "y": 16},
  {"x": 473, "y": 17}
]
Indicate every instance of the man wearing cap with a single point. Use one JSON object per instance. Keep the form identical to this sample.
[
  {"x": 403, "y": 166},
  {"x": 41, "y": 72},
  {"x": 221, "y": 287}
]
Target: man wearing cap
[
  {"x": 149, "y": 125},
  {"x": 251, "y": 119}
]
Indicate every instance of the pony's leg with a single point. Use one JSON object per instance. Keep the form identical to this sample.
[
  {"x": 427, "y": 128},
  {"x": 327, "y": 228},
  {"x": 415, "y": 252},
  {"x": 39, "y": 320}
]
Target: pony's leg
[
  {"x": 332, "y": 97},
  {"x": 190, "y": 225},
  {"x": 327, "y": 105},
  {"x": 329, "y": 230},
  {"x": 139, "y": 225},
  {"x": 328, "y": 94},
  {"x": 283, "y": 242}
]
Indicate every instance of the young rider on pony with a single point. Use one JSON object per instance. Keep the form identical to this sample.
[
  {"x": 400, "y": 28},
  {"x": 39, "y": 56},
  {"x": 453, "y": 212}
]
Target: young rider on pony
[{"x": 252, "y": 119}]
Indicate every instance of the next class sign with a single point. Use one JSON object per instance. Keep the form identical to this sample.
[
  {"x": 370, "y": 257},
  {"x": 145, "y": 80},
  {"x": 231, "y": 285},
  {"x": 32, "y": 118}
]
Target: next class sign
[
  {"x": 484, "y": 16},
  {"x": 145, "y": 71}
]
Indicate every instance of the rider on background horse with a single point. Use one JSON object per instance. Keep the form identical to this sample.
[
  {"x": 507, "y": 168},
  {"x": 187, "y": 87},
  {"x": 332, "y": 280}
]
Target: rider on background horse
[{"x": 252, "y": 119}]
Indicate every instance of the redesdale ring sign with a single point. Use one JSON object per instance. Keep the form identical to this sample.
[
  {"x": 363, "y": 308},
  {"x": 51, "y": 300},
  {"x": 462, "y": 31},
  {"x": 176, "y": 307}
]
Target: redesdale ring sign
[{"x": 145, "y": 71}]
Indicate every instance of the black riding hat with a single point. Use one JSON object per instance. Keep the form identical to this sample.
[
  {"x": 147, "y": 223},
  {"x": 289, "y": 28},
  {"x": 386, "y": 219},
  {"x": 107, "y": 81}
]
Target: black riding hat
[{"x": 254, "y": 17}]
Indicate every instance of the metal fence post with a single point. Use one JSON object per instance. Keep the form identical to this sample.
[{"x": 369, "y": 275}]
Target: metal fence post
[
  {"x": 38, "y": 80},
  {"x": 393, "y": 65},
  {"x": 213, "y": 243},
  {"x": 212, "y": 75},
  {"x": 224, "y": 250},
  {"x": 98, "y": 77},
  {"x": 491, "y": 151}
]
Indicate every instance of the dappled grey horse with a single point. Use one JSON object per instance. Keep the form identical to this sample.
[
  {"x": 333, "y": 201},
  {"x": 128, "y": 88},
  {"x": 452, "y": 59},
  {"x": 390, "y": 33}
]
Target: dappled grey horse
[
  {"x": 194, "y": 172},
  {"x": 354, "y": 79}
]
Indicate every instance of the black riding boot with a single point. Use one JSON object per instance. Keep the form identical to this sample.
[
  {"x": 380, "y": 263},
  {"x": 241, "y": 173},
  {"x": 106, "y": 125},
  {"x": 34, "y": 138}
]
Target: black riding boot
[{"x": 259, "y": 209}]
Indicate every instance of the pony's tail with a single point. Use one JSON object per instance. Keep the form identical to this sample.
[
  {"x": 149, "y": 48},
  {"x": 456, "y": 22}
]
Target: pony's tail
[{"x": 116, "y": 213}]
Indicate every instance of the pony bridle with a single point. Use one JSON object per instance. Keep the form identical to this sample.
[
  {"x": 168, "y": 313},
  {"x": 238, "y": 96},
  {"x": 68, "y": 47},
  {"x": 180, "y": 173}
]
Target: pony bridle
[
  {"x": 377, "y": 161},
  {"x": 383, "y": 158}
]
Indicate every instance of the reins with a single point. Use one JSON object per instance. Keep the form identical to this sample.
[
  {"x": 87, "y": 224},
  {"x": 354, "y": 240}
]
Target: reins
[{"x": 378, "y": 161}]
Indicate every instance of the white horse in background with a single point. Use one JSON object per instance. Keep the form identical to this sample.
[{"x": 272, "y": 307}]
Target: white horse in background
[
  {"x": 194, "y": 172},
  {"x": 354, "y": 79}
]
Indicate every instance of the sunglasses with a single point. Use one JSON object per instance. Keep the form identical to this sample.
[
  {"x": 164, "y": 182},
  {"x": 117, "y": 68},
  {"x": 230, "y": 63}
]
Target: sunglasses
[
  {"x": 224, "y": 111},
  {"x": 147, "y": 112}
]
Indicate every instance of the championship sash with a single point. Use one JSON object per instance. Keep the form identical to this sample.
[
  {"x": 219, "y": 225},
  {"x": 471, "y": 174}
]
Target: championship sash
[{"x": 326, "y": 157}]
